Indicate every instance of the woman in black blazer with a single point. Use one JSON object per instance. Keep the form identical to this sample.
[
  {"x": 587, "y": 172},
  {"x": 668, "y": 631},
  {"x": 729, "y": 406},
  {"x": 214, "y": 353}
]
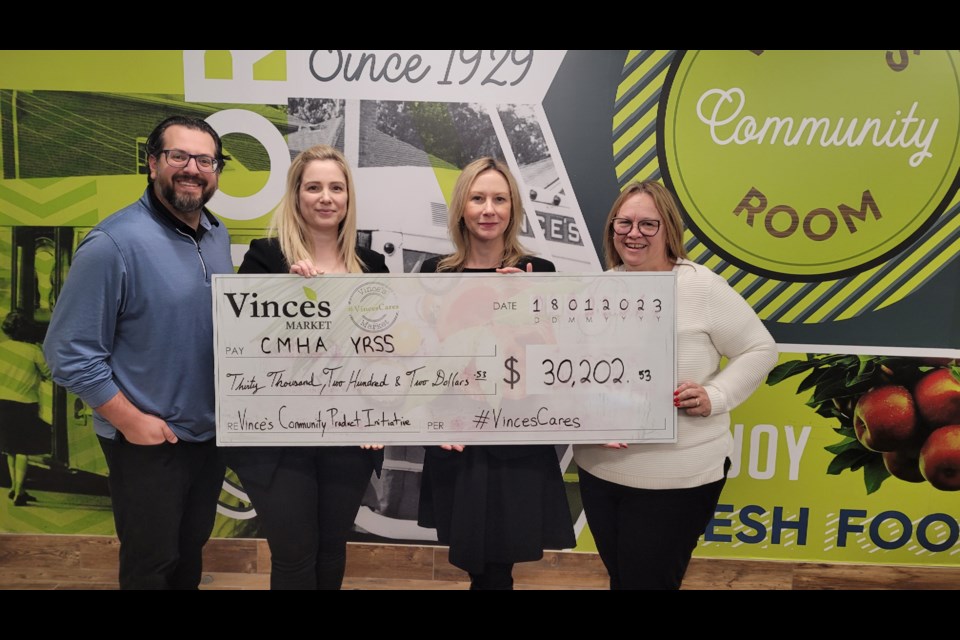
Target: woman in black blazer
[
  {"x": 307, "y": 498},
  {"x": 494, "y": 505}
]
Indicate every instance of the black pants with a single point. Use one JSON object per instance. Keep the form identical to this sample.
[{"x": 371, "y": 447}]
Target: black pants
[
  {"x": 646, "y": 537},
  {"x": 164, "y": 505},
  {"x": 496, "y": 576},
  {"x": 307, "y": 511}
]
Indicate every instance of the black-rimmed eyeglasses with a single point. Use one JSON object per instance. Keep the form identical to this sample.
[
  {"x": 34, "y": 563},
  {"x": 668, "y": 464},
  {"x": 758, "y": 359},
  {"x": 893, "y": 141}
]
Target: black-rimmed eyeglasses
[
  {"x": 179, "y": 159},
  {"x": 623, "y": 226}
]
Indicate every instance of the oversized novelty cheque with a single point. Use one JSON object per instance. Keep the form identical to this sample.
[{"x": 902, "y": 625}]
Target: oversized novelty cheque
[{"x": 444, "y": 358}]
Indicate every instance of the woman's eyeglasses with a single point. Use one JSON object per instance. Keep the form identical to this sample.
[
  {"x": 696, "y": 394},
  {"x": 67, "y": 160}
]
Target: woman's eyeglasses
[{"x": 648, "y": 228}]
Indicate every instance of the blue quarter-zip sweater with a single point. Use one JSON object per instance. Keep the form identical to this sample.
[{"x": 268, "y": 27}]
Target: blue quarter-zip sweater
[{"x": 135, "y": 316}]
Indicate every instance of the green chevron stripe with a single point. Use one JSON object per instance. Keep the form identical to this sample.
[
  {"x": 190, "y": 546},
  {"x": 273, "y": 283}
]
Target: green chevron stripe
[
  {"x": 634, "y": 59},
  {"x": 635, "y": 115},
  {"x": 631, "y": 56},
  {"x": 878, "y": 288},
  {"x": 831, "y": 290},
  {"x": 64, "y": 202},
  {"x": 645, "y": 127},
  {"x": 935, "y": 266},
  {"x": 630, "y": 91},
  {"x": 849, "y": 287},
  {"x": 698, "y": 252},
  {"x": 935, "y": 255},
  {"x": 807, "y": 302},
  {"x": 907, "y": 278},
  {"x": 67, "y": 518},
  {"x": 931, "y": 270},
  {"x": 640, "y": 100},
  {"x": 726, "y": 270},
  {"x": 712, "y": 262},
  {"x": 641, "y": 163},
  {"x": 799, "y": 297},
  {"x": 766, "y": 285},
  {"x": 748, "y": 282},
  {"x": 643, "y": 155},
  {"x": 872, "y": 294},
  {"x": 641, "y": 172},
  {"x": 68, "y": 218},
  {"x": 50, "y": 206},
  {"x": 888, "y": 284},
  {"x": 777, "y": 298}
]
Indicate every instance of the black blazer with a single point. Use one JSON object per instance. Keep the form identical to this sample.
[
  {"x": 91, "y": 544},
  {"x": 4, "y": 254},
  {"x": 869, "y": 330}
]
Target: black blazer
[
  {"x": 258, "y": 464},
  {"x": 264, "y": 256},
  {"x": 539, "y": 265}
]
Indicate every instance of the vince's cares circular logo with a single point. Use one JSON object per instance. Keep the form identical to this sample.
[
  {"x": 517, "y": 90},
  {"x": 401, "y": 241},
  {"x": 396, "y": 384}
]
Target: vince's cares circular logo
[
  {"x": 373, "y": 307},
  {"x": 811, "y": 165}
]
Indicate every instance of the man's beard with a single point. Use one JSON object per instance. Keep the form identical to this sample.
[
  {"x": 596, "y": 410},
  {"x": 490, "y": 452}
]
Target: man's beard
[{"x": 182, "y": 202}]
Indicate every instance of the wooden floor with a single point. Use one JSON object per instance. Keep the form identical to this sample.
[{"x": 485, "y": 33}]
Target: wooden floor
[{"x": 32, "y": 562}]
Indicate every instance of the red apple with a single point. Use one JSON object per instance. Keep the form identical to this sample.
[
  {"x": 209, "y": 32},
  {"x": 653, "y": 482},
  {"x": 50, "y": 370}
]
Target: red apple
[
  {"x": 938, "y": 398},
  {"x": 904, "y": 464},
  {"x": 885, "y": 419},
  {"x": 940, "y": 458}
]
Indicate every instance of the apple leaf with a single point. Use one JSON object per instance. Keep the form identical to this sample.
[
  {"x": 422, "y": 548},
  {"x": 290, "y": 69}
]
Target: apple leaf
[
  {"x": 310, "y": 293},
  {"x": 847, "y": 443},
  {"x": 813, "y": 379},
  {"x": 813, "y": 361},
  {"x": 847, "y": 431},
  {"x": 834, "y": 389},
  {"x": 955, "y": 372},
  {"x": 828, "y": 410},
  {"x": 849, "y": 362},
  {"x": 865, "y": 372},
  {"x": 788, "y": 369},
  {"x": 823, "y": 408},
  {"x": 874, "y": 473},
  {"x": 851, "y": 459}
]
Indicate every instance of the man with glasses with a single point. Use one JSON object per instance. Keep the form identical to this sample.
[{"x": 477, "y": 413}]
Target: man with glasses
[{"x": 132, "y": 335}]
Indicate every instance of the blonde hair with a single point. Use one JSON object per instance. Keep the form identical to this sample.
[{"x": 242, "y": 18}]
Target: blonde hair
[
  {"x": 288, "y": 225},
  {"x": 667, "y": 206},
  {"x": 512, "y": 249}
]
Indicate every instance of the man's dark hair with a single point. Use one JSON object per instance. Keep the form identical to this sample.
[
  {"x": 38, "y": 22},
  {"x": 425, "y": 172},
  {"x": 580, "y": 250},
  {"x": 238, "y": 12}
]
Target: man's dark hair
[{"x": 155, "y": 139}]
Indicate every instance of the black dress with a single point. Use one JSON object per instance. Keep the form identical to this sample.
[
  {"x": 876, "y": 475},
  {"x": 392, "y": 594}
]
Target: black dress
[{"x": 499, "y": 503}]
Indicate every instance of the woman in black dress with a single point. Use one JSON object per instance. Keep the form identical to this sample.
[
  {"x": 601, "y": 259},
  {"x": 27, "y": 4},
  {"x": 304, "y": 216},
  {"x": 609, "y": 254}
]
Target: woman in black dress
[
  {"x": 493, "y": 505},
  {"x": 22, "y": 432},
  {"x": 307, "y": 497}
]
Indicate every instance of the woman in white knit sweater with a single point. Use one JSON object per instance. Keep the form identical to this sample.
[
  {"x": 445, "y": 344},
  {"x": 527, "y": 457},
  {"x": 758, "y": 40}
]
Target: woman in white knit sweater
[{"x": 647, "y": 505}]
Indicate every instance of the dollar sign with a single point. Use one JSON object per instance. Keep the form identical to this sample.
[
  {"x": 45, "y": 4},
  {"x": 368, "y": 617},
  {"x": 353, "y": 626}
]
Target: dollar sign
[{"x": 514, "y": 374}]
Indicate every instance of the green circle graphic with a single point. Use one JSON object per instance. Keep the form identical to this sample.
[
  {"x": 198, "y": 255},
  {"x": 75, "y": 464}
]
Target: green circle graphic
[{"x": 811, "y": 165}]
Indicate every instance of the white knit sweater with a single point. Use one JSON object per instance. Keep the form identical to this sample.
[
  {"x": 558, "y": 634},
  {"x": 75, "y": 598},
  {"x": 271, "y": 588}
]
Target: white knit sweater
[{"x": 713, "y": 321}]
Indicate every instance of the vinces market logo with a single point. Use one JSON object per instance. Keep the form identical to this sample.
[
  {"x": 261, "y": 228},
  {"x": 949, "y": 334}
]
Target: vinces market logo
[
  {"x": 373, "y": 307},
  {"x": 811, "y": 165}
]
